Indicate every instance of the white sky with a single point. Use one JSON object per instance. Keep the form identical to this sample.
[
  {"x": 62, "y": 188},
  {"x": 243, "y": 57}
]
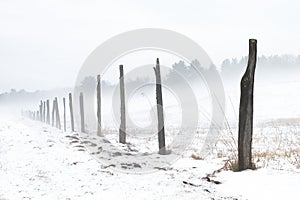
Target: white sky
[{"x": 44, "y": 42}]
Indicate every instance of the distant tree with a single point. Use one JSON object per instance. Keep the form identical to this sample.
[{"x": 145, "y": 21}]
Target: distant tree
[{"x": 12, "y": 91}]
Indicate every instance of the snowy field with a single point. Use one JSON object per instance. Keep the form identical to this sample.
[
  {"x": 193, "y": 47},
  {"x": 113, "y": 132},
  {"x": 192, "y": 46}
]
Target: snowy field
[{"x": 38, "y": 161}]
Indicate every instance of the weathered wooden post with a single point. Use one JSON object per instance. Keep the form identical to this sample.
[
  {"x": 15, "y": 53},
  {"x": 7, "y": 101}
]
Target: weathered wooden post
[
  {"x": 122, "y": 129},
  {"x": 64, "y": 102},
  {"x": 44, "y": 111},
  {"x": 71, "y": 111},
  {"x": 81, "y": 112},
  {"x": 41, "y": 111},
  {"x": 53, "y": 112},
  {"x": 246, "y": 111},
  {"x": 99, "y": 133},
  {"x": 37, "y": 116},
  {"x": 160, "y": 111},
  {"x": 48, "y": 111},
  {"x": 58, "y": 125}
]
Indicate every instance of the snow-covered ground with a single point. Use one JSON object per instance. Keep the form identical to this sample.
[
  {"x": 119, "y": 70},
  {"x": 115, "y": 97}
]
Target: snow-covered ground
[
  {"x": 38, "y": 161},
  {"x": 41, "y": 162}
]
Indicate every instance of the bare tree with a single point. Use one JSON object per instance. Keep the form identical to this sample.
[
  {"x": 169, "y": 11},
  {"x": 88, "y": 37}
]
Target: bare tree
[{"x": 246, "y": 111}]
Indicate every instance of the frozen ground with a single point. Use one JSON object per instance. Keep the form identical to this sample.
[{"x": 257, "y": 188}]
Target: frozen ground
[{"x": 41, "y": 162}]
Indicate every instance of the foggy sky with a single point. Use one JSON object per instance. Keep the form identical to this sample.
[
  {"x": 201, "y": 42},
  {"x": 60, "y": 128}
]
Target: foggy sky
[{"x": 44, "y": 43}]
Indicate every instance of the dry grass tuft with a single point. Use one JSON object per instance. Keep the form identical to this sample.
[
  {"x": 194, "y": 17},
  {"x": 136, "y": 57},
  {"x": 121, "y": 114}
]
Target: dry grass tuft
[{"x": 196, "y": 157}]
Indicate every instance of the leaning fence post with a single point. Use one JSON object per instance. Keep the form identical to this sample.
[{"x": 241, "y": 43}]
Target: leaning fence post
[
  {"x": 122, "y": 129},
  {"x": 81, "y": 112},
  {"x": 160, "y": 111},
  {"x": 71, "y": 111},
  {"x": 99, "y": 133},
  {"x": 246, "y": 111},
  {"x": 64, "y": 102}
]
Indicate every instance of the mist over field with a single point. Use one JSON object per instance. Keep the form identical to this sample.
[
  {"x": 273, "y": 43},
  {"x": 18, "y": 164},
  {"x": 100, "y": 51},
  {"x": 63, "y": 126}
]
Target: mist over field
[
  {"x": 172, "y": 99},
  {"x": 276, "y": 84}
]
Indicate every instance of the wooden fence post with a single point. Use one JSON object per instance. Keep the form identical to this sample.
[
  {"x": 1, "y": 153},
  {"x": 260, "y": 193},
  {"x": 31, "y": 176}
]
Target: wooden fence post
[
  {"x": 41, "y": 111},
  {"x": 44, "y": 113},
  {"x": 48, "y": 111},
  {"x": 99, "y": 133},
  {"x": 246, "y": 111},
  {"x": 71, "y": 111},
  {"x": 81, "y": 112},
  {"x": 53, "y": 112},
  {"x": 55, "y": 108},
  {"x": 122, "y": 129},
  {"x": 160, "y": 111},
  {"x": 37, "y": 116},
  {"x": 64, "y": 102},
  {"x": 58, "y": 125}
]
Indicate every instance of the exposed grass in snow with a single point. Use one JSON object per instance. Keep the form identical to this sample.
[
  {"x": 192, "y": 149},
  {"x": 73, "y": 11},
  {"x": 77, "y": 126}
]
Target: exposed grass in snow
[{"x": 275, "y": 146}]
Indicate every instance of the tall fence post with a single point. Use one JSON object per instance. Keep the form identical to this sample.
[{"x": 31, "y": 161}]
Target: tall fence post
[
  {"x": 122, "y": 129},
  {"x": 64, "y": 102},
  {"x": 99, "y": 133},
  {"x": 81, "y": 112},
  {"x": 58, "y": 125},
  {"x": 48, "y": 111},
  {"x": 160, "y": 111},
  {"x": 53, "y": 112},
  {"x": 246, "y": 111},
  {"x": 71, "y": 111}
]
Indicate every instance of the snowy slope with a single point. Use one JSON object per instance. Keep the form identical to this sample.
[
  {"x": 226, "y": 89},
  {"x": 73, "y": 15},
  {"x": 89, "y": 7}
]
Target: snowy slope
[{"x": 40, "y": 162}]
